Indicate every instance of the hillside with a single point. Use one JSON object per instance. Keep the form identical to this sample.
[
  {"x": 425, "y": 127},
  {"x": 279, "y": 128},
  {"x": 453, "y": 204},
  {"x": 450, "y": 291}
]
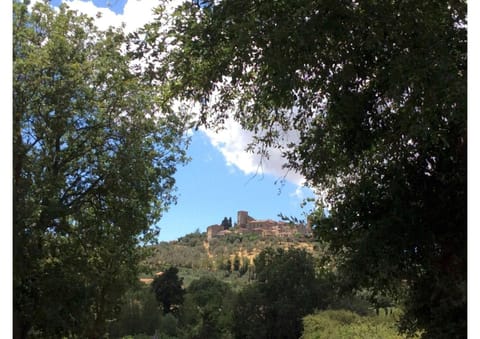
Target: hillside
[{"x": 229, "y": 258}]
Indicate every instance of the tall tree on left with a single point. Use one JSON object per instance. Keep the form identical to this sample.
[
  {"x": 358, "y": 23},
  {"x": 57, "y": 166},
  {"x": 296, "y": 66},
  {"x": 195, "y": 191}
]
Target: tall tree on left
[{"x": 94, "y": 153}]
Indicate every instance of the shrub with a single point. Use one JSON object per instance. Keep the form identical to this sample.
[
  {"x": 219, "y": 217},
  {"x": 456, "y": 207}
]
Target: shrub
[
  {"x": 343, "y": 324},
  {"x": 169, "y": 325}
]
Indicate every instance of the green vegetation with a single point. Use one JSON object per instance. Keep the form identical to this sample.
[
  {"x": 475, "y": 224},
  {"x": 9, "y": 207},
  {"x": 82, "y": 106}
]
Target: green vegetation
[
  {"x": 283, "y": 287},
  {"x": 168, "y": 290},
  {"x": 229, "y": 258},
  {"x": 284, "y": 290},
  {"x": 139, "y": 314},
  {"x": 341, "y": 324},
  {"x": 375, "y": 93},
  {"x": 93, "y": 165},
  {"x": 207, "y": 311}
]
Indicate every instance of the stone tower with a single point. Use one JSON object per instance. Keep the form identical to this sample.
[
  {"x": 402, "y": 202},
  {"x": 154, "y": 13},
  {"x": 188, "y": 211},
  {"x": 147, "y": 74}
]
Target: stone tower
[{"x": 242, "y": 218}]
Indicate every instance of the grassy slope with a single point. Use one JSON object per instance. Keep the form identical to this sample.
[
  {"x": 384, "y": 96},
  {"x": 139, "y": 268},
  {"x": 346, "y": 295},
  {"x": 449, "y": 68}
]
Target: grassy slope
[{"x": 195, "y": 257}]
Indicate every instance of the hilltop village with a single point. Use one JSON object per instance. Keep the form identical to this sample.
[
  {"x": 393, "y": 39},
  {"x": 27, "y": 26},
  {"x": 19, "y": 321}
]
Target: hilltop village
[{"x": 248, "y": 225}]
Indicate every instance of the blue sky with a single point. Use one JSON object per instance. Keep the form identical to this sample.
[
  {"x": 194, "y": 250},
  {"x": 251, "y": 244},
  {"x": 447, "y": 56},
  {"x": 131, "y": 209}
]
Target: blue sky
[
  {"x": 114, "y": 5},
  {"x": 209, "y": 190},
  {"x": 221, "y": 178}
]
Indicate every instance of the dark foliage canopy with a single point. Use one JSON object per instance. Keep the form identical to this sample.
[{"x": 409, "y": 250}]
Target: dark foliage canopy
[
  {"x": 374, "y": 93},
  {"x": 93, "y": 165},
  {"x": 207, "y": 310},
  {"x": 168, "y": 290},
  {"x": 285, "y": 290}
]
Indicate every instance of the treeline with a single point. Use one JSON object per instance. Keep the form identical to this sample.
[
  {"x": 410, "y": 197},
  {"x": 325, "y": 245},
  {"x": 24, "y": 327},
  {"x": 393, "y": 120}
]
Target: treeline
[{"x": 285, "y": 288}]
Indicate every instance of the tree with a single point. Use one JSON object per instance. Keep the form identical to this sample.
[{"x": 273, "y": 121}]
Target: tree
[
  {"x": 207, "y": 310},
  {"x": 287, "y": 280},
  {"x": 93, "y": 165},
  {"x": 244, "y": 268},
  {"x": 139, "y": 314},
  {"x": 285, "y": 290},
  {"x": 228, "y": 266},
  {"x": 168, "y": 290},
  {"x": 249, "y": 314},
  {"x": 372, "y": 96},
  {"x": 226, "y": 223},
  {"x": 236, "y": 263}
]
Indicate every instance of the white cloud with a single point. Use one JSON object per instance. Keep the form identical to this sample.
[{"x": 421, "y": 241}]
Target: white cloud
[
  {"x": 232, "y": 142},
  {"x": 298, "y": 193},
  {"x": 135, "y": 14}
]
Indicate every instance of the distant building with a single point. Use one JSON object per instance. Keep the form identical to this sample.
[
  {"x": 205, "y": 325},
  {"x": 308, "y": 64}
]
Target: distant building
[
  {"x": 243, "y": 219},
  {"x": 265, "y": 228},
  {"x": 213, "y": 231}
]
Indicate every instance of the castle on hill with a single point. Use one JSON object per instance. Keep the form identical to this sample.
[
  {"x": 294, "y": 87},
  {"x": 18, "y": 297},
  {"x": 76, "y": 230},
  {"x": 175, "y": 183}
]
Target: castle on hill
[{"x": 265, "y": 228}]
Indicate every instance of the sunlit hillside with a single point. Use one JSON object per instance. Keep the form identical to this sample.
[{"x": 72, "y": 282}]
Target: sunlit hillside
[{"x": 229, "y": 258}]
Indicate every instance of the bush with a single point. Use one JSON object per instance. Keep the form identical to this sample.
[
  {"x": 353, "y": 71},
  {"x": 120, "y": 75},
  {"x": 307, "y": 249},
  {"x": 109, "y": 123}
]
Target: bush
[
  {"x": 169, "y": 325},
  {"x": 352, "y": 303},
  {"x": 343, "y": 324},
  {"x": 139, "y": 314},
  {"x": 207, "y": 310}
]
